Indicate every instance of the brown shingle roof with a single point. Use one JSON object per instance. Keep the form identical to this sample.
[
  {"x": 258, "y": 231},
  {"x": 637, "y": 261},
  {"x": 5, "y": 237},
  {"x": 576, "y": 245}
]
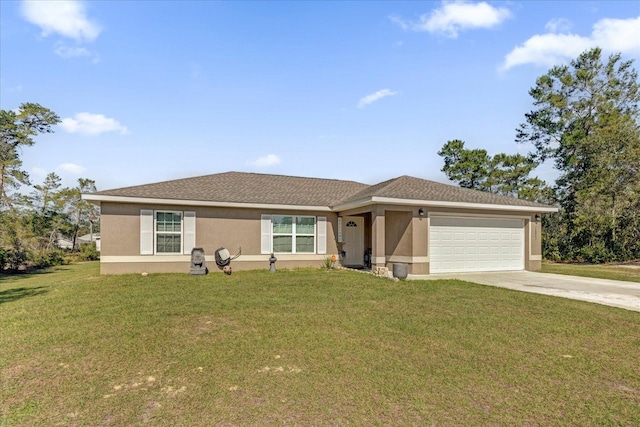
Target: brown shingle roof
[
  {"x": 408, "y": 187},
  {"x": 240, "y": 187}
]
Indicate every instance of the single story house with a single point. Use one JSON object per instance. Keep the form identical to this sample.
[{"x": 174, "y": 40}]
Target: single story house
[
  {"x": 432, "y": 227},
  {"x": 90, "y": 238},
  {"x": 67, "y": 243},
  {"x": 64, "y": 243}
]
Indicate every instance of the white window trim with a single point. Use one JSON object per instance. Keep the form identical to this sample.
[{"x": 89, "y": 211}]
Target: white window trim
[
  {"x": 148, "y": 233},
  {"x": 319, "y": 234},
  {"x": 156, "y": 232},
  {"x": 294, "y": 233}
]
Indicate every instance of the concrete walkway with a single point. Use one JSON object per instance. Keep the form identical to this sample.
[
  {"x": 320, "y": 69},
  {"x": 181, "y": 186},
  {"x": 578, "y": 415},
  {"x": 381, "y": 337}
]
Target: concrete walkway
[{"x": 601, "y": 291}]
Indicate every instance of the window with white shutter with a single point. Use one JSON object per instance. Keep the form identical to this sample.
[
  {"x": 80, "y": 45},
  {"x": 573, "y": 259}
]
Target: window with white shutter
[
  {"x": 292, "y": 234},
  {"x": 167, "y": 232},
  {"x": 146, "y": 232},
  {"x": 322, "y": 235},
  {"x": 189, "y": 231},
  {"x": 265, "y": 234}
]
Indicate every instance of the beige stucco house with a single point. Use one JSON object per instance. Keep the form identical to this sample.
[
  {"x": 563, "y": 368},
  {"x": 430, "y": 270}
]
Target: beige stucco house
[{"x": 432, "y": 227}]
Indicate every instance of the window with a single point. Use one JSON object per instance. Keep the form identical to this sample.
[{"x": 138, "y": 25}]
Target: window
[
  {"x": 167, "y": 232},
  {"x": 293, "y": 234}
]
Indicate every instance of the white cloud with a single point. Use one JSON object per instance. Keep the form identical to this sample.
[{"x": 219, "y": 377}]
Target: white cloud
[
  {"x": 369, "y": 99},
  {"x": 547, "y": 49},
  {"x": 611, "y": 35},
  {"x": 66, "y": 52},
  {"x": 559, "y": 25},
  {"x": 455, "y": 16},
  {"x": 92, "y": 124},
  {"x": 265, "y": 161},
  {"x": 400, "y": 22},
  {"x": 67, "y": 18},
  {"x": 38, "y": 173},
  {"x": 70, "y": 168},
  {"x": 621, "y": 35}
]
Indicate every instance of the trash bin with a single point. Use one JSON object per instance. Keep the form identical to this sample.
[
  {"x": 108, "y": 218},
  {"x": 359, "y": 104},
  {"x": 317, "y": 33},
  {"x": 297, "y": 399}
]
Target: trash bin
[{"x": 400, "y": 270}]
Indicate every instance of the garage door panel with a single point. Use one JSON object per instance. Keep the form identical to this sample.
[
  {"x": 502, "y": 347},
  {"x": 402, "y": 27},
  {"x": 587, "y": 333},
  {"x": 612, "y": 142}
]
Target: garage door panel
[{"x": 475, "y": 244}]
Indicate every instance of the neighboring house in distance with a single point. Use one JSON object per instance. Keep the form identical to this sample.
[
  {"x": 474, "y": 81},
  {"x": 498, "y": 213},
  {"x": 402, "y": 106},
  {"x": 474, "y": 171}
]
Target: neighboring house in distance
[
  {"x": 64, "y": 243},
  {"x": 90, "y": 238},
  {"x": 432, "y": 227},
  {"x": 67, "y": 243}
]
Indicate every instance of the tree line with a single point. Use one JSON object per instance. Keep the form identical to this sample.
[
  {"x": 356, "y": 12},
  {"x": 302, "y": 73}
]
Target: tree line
[
  {"x": 32, "y": 223},
  {"x": 586, "y": 122}
]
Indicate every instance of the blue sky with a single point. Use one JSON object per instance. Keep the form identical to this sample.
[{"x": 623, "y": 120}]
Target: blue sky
[{"x": 366, "y": 91}]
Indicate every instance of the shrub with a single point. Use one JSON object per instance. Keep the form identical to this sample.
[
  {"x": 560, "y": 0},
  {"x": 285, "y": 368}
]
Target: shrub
[
  {"x": 17, "y": 257},
  {"x": 597, "y": 254},
  {"x": 4, "y": 258},
  {"x": 89, "y": 252},
  {"x": 327, "y": 263},
  {"x": 48, "y": 258}
]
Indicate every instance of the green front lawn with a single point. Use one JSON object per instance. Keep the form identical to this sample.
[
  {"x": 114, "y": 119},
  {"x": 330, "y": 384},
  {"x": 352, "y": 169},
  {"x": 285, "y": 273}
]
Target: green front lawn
[
  {"x": 307, "y": 347},
  {"x": 628, "y": 272}
]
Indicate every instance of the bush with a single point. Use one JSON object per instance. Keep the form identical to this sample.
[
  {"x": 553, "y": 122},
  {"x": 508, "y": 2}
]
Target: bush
[
  {"x": 327, "y": 263},
  {"x": 89, "y": 252},
  {"x": 56, "y": 257},
  {"x": 48, "y": 259},
  {"x": 4, "y": 258},
  {"x": 17, "y": 257},
  {"x": 596, "y": 254}
]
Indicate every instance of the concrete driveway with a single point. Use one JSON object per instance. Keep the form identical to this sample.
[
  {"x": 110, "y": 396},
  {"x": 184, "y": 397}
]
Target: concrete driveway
[{"x": 601, "y": 291}]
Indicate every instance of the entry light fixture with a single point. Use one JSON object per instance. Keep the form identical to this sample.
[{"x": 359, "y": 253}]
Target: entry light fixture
[
  {"x": 537, "y": 217},
  {"x": 421, "y": 212}
]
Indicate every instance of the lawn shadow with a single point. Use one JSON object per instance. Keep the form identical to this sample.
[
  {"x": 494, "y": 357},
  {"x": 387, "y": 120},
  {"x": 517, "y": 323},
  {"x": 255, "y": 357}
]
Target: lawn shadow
[
  {"x": 25, "y": 274},
  {"x": 15, "y": 294}
]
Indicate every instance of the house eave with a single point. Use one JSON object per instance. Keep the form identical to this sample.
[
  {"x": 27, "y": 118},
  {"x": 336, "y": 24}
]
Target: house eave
[
  {"x": 99, "y": 198},
  {"x": 441, "y": 204}
]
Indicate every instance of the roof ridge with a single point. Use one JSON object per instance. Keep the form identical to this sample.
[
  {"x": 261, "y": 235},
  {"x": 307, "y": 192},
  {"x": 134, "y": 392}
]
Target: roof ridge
[
  {"x": 289, "y": 176},
  {"x": 228, "y": 173}
]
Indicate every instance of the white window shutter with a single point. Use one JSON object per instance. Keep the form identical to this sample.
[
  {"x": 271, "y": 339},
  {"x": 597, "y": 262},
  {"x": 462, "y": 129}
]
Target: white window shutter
[
  {"x": 265, "y": 234},
  {"x": 322, "y": 235},
  {"x": 189, "y": 219},
  {"x": 146, "y": 232}
]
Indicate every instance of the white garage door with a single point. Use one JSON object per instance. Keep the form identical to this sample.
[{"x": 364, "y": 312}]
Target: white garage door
[{"x": 475, "y": 244}]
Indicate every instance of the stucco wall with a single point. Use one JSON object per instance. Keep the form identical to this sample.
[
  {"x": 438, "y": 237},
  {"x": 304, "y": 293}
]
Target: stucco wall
[
  {"x": 215, "y": 227},
  {"x": 398, "y": 231},
  {"x": 119, "y": 229}
]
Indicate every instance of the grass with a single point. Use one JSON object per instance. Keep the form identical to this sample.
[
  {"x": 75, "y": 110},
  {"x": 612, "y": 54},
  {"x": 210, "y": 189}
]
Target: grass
[
  {"x": 627, "y": 272},
  {"x": 307, "y": 347}
]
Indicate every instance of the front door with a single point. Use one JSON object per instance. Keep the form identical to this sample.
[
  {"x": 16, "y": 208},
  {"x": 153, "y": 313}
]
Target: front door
[{"x": 353, "y": 240}]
